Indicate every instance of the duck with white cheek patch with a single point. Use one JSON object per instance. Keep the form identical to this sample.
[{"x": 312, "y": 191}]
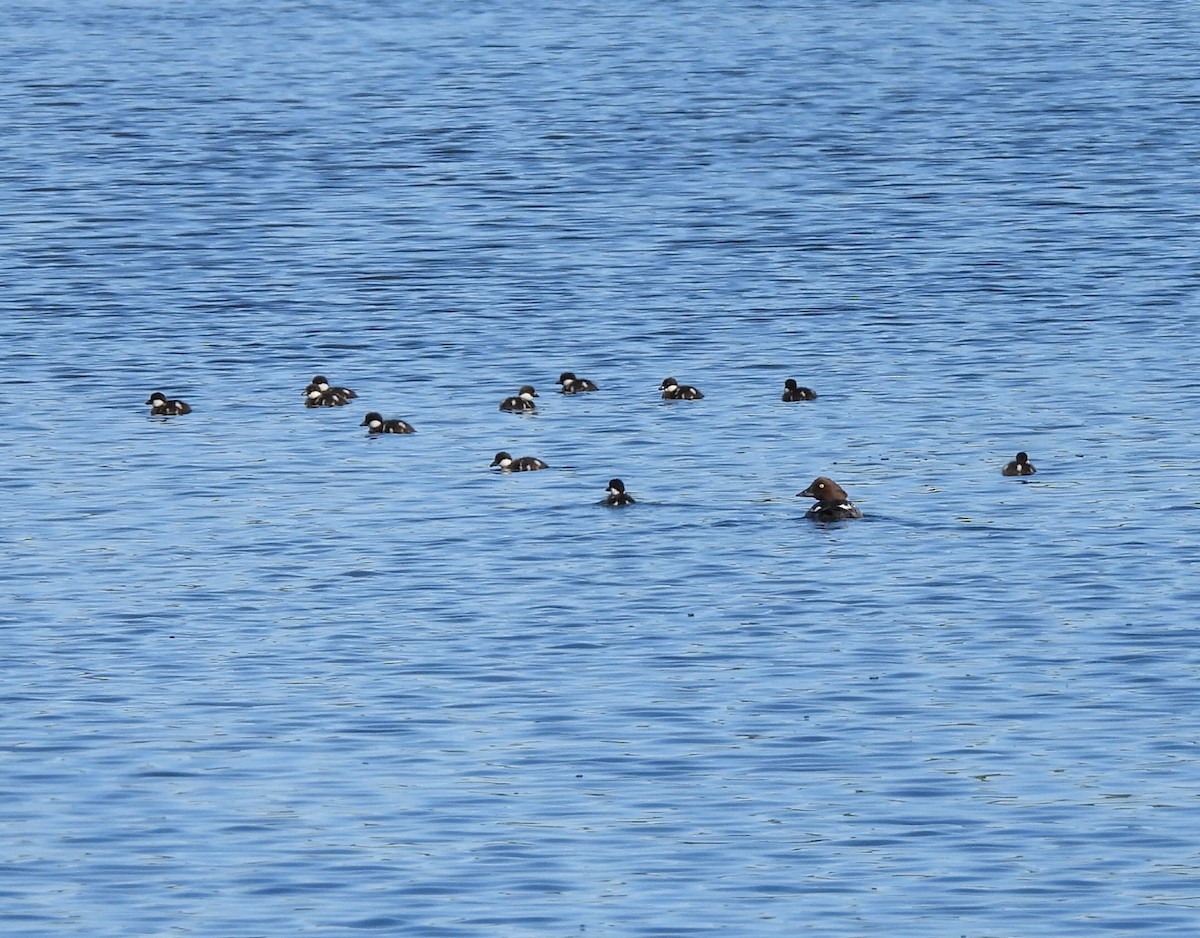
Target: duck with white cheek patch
[
  {"x": 162, "y": 406},
  {"x": 615, "y": 495},
  {"x": 672, "y": 390},
  {"x": 522, "y": 401},
  {"x": 793, "y": 392},
  {"x": 573, "y": 385},
  {"x": 505, "y": 463},
  {"x": 320, "y": 393},
  {"x": 375, "y": 423}
]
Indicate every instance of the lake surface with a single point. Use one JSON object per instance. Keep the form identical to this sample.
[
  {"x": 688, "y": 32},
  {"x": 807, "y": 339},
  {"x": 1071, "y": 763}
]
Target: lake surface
[{"x": 266, "y": 676}]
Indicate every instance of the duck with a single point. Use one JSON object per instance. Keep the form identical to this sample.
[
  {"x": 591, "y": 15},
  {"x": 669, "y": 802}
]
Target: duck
[
  {"x": 329, "y": 398},
  {"x": 525, "y": 464},
  {"x": 375, "y": 423},
  {"x": 1021, "y": 466},
  {"x": 521, "y": 401},
  {"x": 833, "y": 504},
  {"x": 320, "y": 393},
  {"x": 573, "y": 385},
  {"x": 674, "y": 391},
  {"x": 162, "y": 406},
  {"x": 615, "y": 494},
  {"x": 793, "y": 392}
]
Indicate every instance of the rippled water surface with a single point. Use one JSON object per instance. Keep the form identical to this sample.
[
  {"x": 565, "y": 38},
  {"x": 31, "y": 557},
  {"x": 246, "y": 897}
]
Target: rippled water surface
[{"x": 264, "y": 675}]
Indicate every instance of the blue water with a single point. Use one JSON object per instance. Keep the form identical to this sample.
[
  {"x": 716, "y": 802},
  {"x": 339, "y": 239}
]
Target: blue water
[{"x": 266, "y": 676}]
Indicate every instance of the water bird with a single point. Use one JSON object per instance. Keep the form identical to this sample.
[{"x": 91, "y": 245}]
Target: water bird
[
  {"x": 375, "y": 423},
  {"x": 573, "y": 385},
  {"x": 162, "y": 406},
  {"x": 674, "y": 391},
  {"x": 1021, "y": 466},
  {"x": 320, "y": 393},
  {"x": 521, "y": 401},
  {"x": 793, "y": 392},
  {"x": 525, "y": 464},
  {"x": 615, "y": 494},
  {"x": 833, "y": 504}
]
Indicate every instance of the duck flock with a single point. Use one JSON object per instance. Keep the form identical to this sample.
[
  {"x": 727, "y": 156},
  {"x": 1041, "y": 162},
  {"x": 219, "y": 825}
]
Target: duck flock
[{"x": 831, "y": 503}]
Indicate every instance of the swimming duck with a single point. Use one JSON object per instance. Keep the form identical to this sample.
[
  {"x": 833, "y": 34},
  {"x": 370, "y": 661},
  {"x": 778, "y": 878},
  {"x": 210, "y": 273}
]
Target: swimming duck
[
  {"x": 320, "y": 393},
  {"x": 793, "y": 392},
  {"x": 674, "y": 391},
  {"x": 615, "y": 494},
  {"x": 572, "y": 385},
  {"x": 832, "y": 502},
  {"x": 161, "y": 406},
  {"x": 1021, "y": 466},
  {"x": 375, "y": 423},
  {"x": 521, "y": 401},
  {"x": 524, "y": 464}
]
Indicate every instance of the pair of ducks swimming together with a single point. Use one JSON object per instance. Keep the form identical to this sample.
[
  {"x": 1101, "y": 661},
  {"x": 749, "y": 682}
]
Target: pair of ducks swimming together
[
  {"x": 522, "y": 401},
  {"x": 833, "y": 504},
  {"x": 672, "y": 390},
  {"x": 614, "y": 496},
  {"x": 320, "y": 393}
]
